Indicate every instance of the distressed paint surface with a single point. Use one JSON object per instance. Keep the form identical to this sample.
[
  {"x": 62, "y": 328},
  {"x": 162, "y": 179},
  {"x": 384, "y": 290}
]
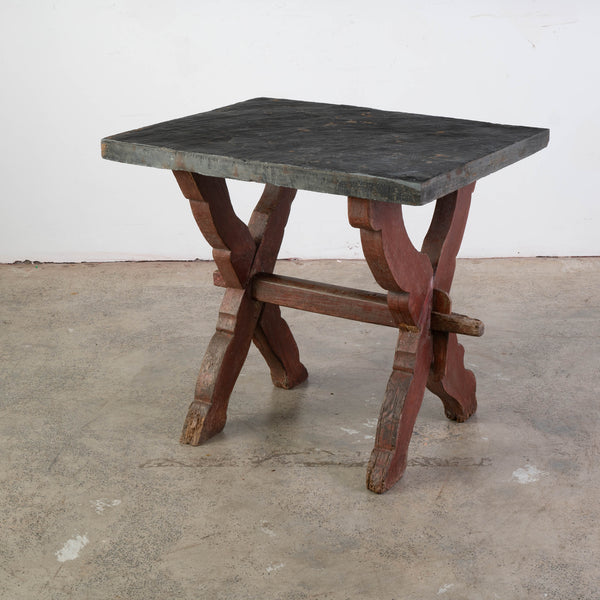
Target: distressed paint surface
[{"x": 338, "y": 149}]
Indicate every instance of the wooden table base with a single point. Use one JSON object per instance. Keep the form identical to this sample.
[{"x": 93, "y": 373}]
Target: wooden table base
[{"x": 416, "y": 303}]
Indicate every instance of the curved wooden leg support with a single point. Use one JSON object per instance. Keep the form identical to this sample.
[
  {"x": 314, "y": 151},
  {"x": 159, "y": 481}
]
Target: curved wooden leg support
[
  {"x": 456, "y": 388},
  {"x": 417, "y": 283},
  {"x": 449, "y": 379},
  {"x": 221, "y": 366},
  {"x": 240, "y": 252},
  {"x": 273, "y": 337},
  {"x": 401, "y": 404},
  {"x": 276, "y": 343},
  {"x": 407, "y": 275}
]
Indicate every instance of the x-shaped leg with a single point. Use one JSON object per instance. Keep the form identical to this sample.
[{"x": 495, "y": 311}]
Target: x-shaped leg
[
  {"x": 417, "y": 283},
  {"x": 240, "y": 252},
  {"x": 448, "y": 377},
  {"x": 418, "y": 304}
]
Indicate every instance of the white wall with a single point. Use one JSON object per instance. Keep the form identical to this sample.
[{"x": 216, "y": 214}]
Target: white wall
[{"x": 73, "y": 71}]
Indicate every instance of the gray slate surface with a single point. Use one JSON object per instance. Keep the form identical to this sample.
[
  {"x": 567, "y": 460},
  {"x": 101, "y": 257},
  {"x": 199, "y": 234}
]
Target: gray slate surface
[{"x": 337, "y": 149}]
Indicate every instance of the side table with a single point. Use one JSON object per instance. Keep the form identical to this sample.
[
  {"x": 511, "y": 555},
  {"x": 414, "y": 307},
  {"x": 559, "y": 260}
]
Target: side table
[{"x": 380, "y": 160}]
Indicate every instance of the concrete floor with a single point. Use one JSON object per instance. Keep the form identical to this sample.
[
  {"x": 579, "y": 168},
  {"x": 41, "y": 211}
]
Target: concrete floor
[{"x": 98, "y": 500}]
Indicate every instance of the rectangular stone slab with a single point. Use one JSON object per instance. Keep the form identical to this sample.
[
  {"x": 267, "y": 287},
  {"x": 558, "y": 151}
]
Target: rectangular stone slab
[{"x": 338, "y": 149}]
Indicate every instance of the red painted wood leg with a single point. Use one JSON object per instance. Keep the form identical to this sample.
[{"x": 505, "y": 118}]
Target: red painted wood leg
[
  {"x": 449, "y": 379},
  {"x": 277, "y": 345},
  {"x": 240, "y": 252},
  {"x": 221, "y": 366},
  {"x": 407, "y": 274},
  {"x": 417, "y": 283},
  {"x": 273, "y": 336},
  {"x": 456, "y": 388},
  {"x": 401, "y": 404}
]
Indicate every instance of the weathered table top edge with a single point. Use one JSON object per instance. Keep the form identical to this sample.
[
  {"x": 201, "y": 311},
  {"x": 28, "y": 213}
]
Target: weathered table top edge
[
  {"x": 441, "y": 185},
  {"x": 342, "y": 184},
  {"x": 358, "y": 185}
]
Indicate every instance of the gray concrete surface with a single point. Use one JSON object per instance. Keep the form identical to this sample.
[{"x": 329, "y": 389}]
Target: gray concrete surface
[{"x": 98, "y": 500}]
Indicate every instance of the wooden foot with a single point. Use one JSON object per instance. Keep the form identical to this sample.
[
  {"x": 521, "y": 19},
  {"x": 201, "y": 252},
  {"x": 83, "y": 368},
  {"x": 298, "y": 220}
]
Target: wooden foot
[{"x": 240, "y": 252}]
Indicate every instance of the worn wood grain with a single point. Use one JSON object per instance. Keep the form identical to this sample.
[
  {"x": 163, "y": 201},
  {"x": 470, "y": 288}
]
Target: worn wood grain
[
  {"x": 348, "y": 303},
  {"x": 455, "y": 323},
  {"x": 404, "y": 271},
  {"x": 442, "y": 305},
  {"x": 275, "y": 341},
  {"x": 232, "y": 243},
  {"x": 399, "y": 410},
  {"x": 427, "y": 352},
  {"x": 322, "y": 298},
  {"x": 221, "y": 366},
  {"x": 395, "y": 263},
  {"x": 457, "y": 387},
  {"x": 449, "y": 379}
]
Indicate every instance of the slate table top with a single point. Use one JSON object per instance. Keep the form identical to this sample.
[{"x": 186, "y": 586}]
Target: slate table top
[{"x": 338, "y": 149}]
